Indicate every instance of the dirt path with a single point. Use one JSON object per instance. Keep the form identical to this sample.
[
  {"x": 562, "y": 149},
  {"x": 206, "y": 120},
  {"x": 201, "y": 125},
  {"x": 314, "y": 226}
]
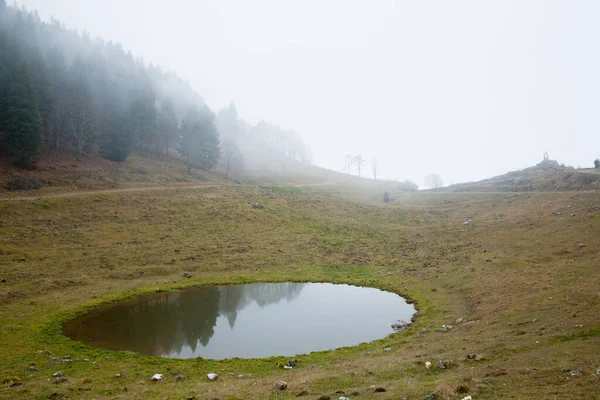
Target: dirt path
[
  {"x": 129, "y": 189},
  {"x": 107, "y": 191}
]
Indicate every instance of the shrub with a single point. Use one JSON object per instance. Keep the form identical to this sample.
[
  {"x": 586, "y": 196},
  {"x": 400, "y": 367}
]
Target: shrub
[
  {"x": 597, "y": 163},
  {"x": 23, "y": 183},
  {"x": 386, "y": 197}
]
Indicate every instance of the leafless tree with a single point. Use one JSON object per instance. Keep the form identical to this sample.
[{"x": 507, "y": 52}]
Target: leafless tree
[
  {"x": 433, "y": 181},
  {"x": 359, "y": 162},
  {"x": 375, "y": 166},
  {"x": 231, "y": 157},
  {"x": 349, "y": 162},
  {"x": 82, "y": 125}
]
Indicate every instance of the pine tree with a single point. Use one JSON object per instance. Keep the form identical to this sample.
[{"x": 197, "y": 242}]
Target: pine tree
[
  {"x": 20, "y": 120},
  {"x": 199, "y": 144},
  {"x": 116, "y": 142},
  {"x": 168, "y": 125}
]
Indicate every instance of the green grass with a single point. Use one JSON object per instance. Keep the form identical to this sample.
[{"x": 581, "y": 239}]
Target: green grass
[{"x": 63, "y": 256}]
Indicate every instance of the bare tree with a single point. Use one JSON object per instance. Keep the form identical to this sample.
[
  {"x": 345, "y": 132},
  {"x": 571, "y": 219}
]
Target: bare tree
[
  {"x": 232, "y": 158},
  {"x": 359, "y": 162},
  {"x": 82, "y": 125},
  {"x": 349, "y": 162},
  {"x": 433, "y": 181},
  {"x": 375, "y": 166}
]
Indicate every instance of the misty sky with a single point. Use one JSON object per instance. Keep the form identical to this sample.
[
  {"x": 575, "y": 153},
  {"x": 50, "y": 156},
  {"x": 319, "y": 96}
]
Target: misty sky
[{"x": 468, "y": 89}]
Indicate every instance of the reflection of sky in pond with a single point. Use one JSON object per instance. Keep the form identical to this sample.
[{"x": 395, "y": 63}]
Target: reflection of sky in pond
[{"x": 254, "y": 320}]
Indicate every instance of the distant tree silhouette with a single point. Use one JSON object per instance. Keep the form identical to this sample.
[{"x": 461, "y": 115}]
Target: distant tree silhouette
[
  {"x": 433, "y": 181},
  {"x": 359, "y": 162}
]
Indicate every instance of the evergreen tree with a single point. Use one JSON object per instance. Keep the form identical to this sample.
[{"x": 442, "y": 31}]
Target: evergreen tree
[
  {"x": 168, "y": 125},
  {"x": 116, "y": 143},
  {"x": 20, "y": 120},
  {"x": 199, "y": 144},
  {"x": 143, "y": 118}
]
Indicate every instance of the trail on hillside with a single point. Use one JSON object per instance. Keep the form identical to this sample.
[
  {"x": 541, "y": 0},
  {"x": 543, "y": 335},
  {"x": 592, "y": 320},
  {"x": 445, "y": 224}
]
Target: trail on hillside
[{"x": 132, "y": 189}]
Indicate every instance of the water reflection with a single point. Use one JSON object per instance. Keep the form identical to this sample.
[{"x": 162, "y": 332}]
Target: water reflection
[
  {"x": 254, "y": 320},
  {"x": 168, "y": 323}
]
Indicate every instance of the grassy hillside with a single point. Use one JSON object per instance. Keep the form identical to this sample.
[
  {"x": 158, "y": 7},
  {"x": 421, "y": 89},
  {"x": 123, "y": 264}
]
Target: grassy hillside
[
  {"x": 96, "y": 173},
  {"x": 529, "y": 314},
  {"x": 545, "y": 176}
]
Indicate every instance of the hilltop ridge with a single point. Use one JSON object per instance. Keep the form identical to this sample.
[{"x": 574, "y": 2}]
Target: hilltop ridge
[{"x": 546, "y": 176}]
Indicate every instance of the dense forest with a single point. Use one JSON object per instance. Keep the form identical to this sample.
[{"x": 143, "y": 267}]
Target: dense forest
[{"x": 63, "y": 90}]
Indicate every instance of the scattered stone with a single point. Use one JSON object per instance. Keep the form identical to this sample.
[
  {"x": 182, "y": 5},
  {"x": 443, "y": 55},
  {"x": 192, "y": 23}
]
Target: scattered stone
[
  {"x": 575, "y": 373},
  {"x": 476, "y": 357},
  {"x": 291, "y": 363},
  {"x": 443, "y": 364},
  {"x": 488, "y": 260},
  {"x": 32, "y": 368},
  {"x": 257, "y": 205},
  {"x": 138, "y": 171},
  {"x": 598, "y": 371},
  {"x": 467, "y": 398},
  {"x": 427, "y": 364},
  {"x": 557, "y": 213},
  {"x": 157, "y": 377},
  {"x": 499, "y": 216},
  {"x": 572, "y": 214},
  {"x": 431, "y": 396},
  {"x": 212, "y": 377},
  {"x": 281, "y": 385},
  {"x": 180, "y": 377},
  {"x": 467, "y": 222},
  {"x": 343, "y": 398},
  {"x": 57, "y": 374},
  {"x": 444, "y": 328},
  {"x": 187, "y": 274},
  {"x": 387, "y": 349},
  {"x": 458, "y": 320},
  {"x": 117, "y": 375},
  {"x": 433, "y": 289},
  {"x": 61, "y": 379},
  {"x": 287, "y": 367},
  {"x": 302, "y": 393},
  {"x": 400, "y": 325},
  {"x": 380, "y": 390}
]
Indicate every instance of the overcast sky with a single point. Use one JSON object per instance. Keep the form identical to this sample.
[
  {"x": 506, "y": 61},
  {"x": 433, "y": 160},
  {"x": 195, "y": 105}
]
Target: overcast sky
[{"x": 468, "y": 89}]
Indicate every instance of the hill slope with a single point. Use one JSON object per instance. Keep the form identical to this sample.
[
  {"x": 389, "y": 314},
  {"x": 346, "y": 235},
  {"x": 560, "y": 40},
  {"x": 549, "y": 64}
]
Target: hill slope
[{"x": 546, "y": 176}]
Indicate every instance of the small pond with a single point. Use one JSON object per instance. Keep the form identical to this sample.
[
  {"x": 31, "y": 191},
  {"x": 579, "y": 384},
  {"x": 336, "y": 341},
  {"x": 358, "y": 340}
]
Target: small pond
[{"x": 248, "y": 321}]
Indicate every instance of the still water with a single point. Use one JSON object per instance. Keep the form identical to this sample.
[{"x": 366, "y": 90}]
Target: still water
[{"x": 247, "y": 321}]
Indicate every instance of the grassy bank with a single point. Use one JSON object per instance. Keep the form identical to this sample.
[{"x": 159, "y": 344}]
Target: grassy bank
[{"x": 530, "y": 314}]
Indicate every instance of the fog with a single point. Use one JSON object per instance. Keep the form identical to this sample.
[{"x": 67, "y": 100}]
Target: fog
[{"x": 467, "y": 89}]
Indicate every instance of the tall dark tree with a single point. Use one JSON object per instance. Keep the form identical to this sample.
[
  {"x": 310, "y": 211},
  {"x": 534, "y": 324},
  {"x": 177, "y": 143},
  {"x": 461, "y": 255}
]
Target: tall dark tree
[
  {"x": 143, "y": 118},
  {"x": 57, "y": 72},
  {"x": 20, "y": 120},
  {"x": 199, "y": 143},
  {"x": 116, "y": 141},
  {"x": 168, "y": 125}
]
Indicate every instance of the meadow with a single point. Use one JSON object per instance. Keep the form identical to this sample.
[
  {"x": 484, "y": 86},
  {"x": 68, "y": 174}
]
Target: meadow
[{"x": 525, "y": 283}]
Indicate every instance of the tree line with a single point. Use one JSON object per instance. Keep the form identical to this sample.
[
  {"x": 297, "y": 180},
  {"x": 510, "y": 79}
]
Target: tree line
[{"x": 62, "y": 90}]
